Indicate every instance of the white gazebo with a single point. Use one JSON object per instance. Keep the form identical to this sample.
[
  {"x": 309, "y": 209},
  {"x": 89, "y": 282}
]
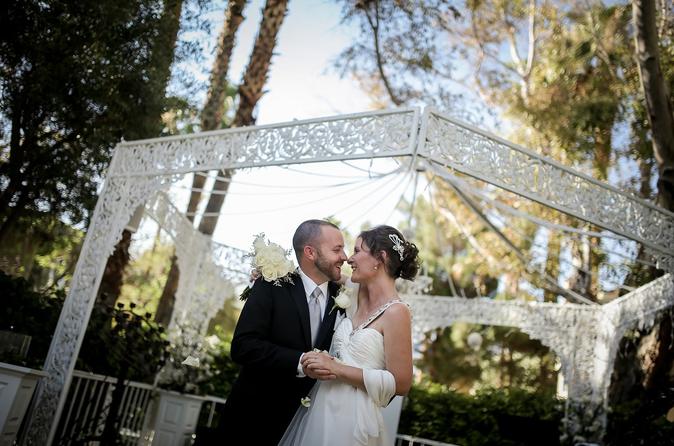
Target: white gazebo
[{"x": 583, "y": 334}]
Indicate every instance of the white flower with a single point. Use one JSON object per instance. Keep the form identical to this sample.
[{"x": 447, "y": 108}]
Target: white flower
[
  {"x": 259, "y": 242},
  {"x": 270, "y": 260},
  {"x": 343, "y": 299},
  {"x": 191, "y": 361},
  {"x": 306, "y": 401}
]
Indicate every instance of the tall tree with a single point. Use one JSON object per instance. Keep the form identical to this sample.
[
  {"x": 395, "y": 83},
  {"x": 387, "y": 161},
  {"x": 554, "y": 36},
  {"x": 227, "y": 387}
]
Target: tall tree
[
  {"x": 250, "y": 91},
  {"x": 213, "y": 112},
  {"x": 560, "y": 72},
  {"x": 658, "y": 356},
  {"x": 657, "y": 95},
  {"x": 212, "y": 118},
  {"x": 162, "y": 56},
  {"x": 74, "y": 82}
]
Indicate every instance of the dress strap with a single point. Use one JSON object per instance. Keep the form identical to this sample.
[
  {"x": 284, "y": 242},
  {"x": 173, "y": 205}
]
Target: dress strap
[{"x": 378, "y": 312}]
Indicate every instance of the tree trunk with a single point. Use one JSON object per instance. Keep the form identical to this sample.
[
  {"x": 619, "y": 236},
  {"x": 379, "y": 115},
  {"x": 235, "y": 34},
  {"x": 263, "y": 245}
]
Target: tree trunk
[
  {"x": 657, "y": 96},
  {"x": 655, "y": 353},
  {"x": 552, "y": 263},
  {"x": 211, "y": 119},
  {"x": 113, "y": 275},
  {"x": 214, "y": 108},
  {"x": 645, "y": 167},
  {"x": 167, "y": 299},
  {"x": 250, "y": 92},
  {"x": 602, "y": 153}
]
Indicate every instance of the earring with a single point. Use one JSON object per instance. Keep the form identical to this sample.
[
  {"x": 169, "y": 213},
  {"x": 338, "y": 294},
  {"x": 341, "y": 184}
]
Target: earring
[{"x": 376, "y": 267}]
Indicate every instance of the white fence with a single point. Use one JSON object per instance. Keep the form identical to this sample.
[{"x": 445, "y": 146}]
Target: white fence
[
  {"x": 408, "y": 440},
  {"x": 88, "y": 405}
]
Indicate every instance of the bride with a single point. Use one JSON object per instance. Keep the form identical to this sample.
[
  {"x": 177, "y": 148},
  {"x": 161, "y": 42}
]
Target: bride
[{"x": 370, "y": 359}]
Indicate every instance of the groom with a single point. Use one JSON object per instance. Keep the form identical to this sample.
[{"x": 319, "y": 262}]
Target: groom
[{"x": 278, "y": 324}]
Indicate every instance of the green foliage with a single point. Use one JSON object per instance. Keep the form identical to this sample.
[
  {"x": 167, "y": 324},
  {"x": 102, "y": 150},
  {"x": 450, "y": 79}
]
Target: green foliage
[
  {"x": 77, "y": 78},
  {"x": 145, "y": 276},
  {"x": 642, "y": 421},
  {"x": 183, "y": 117},
  {"x": 120, "y": 341},
  {"x": 506, "y": 358},
  {"x": 224, "y": 369},
  {"x": 42, "y": 250},
  {"x": 506, "y": 417},
  {"x": 28, "y": 312},
  {"x": 117, "y": 340}
]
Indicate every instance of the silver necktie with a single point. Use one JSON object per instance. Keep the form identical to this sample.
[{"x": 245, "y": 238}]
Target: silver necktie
[{"x": 315, "y": 314}]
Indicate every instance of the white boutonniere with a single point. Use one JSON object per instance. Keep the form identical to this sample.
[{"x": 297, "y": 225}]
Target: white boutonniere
[
  {"x": 306, "y": 401},
  {"x": 343, "y": 299},
  {"x": 271, "y": 262}
]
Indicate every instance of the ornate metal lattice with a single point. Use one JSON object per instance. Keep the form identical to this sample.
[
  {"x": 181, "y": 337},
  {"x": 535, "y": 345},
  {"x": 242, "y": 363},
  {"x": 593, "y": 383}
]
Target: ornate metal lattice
[
  {"x": 518, "y": 170},
  {"x": 365, "y": 135},
  {"x": 586, "y": 338},
  {"x": 207, "y": 269}
]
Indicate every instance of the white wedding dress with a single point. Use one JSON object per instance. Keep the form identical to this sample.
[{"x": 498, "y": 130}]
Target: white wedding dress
[{"x": 341, "y": 414}]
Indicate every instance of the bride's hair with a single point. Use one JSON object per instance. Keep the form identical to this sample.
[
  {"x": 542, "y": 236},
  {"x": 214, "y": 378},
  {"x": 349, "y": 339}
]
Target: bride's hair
[{"x": 389, "y": 239}]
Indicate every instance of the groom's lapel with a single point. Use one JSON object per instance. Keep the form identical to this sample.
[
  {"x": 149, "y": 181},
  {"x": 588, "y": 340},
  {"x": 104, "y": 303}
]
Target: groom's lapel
[{"x": 300, "y": 298}]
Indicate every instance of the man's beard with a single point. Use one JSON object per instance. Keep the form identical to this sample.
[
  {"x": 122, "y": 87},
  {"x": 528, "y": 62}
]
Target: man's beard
[{"x": 327, "y": 268}]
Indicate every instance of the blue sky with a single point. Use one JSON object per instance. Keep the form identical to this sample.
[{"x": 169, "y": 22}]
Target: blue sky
[{"x": 300, "y": 84}]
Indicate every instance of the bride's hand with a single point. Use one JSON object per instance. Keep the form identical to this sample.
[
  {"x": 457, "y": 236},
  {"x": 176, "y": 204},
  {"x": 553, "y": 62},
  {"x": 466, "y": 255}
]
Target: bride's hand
[
  {"x": 320, "y": 361},
  {"x": 313, "y": 369}
]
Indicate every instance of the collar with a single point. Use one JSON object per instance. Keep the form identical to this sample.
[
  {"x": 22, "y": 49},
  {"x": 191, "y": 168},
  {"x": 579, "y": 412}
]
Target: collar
[{"x": 310, "y": 285}]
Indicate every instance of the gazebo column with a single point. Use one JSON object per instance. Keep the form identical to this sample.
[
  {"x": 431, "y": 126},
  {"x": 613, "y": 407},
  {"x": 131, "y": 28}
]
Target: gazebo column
[
  {"x": 117, "y": 203},
  {"x": 588, "y": 371}
]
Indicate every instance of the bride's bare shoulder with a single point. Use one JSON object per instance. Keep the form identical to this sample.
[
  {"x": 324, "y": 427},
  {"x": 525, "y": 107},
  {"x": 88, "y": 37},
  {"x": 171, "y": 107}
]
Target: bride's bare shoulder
[{"x": 398, "y": 312}]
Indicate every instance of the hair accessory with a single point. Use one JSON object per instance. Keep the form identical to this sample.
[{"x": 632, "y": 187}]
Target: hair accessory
[{"x": 397, "y": 245}]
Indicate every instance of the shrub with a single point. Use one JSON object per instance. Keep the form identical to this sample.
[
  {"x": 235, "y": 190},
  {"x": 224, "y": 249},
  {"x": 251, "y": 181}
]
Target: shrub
[
  {"x": 122, "y": 342},
  {"x": 642, "y": 421},
  {"x": 28, "y": 312},
  {"x": 117, "y": 339},
  {"x": 495, "y": 417}
]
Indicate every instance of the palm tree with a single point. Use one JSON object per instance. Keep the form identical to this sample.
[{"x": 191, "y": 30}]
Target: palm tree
[
  {"x": 250, "y": 92},
  {"x": 211, "y": 119}
]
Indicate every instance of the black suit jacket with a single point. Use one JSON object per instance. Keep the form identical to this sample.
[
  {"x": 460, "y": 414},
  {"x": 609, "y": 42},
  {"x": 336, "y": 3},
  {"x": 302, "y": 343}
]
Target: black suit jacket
[{"x": 272, "y": 333}]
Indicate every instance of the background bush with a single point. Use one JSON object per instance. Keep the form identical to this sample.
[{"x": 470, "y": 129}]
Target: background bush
[
  {"x": 495, "y": 417},
  {"x": 642, "y": 421},
  {"x": 28, "y": 312}
]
